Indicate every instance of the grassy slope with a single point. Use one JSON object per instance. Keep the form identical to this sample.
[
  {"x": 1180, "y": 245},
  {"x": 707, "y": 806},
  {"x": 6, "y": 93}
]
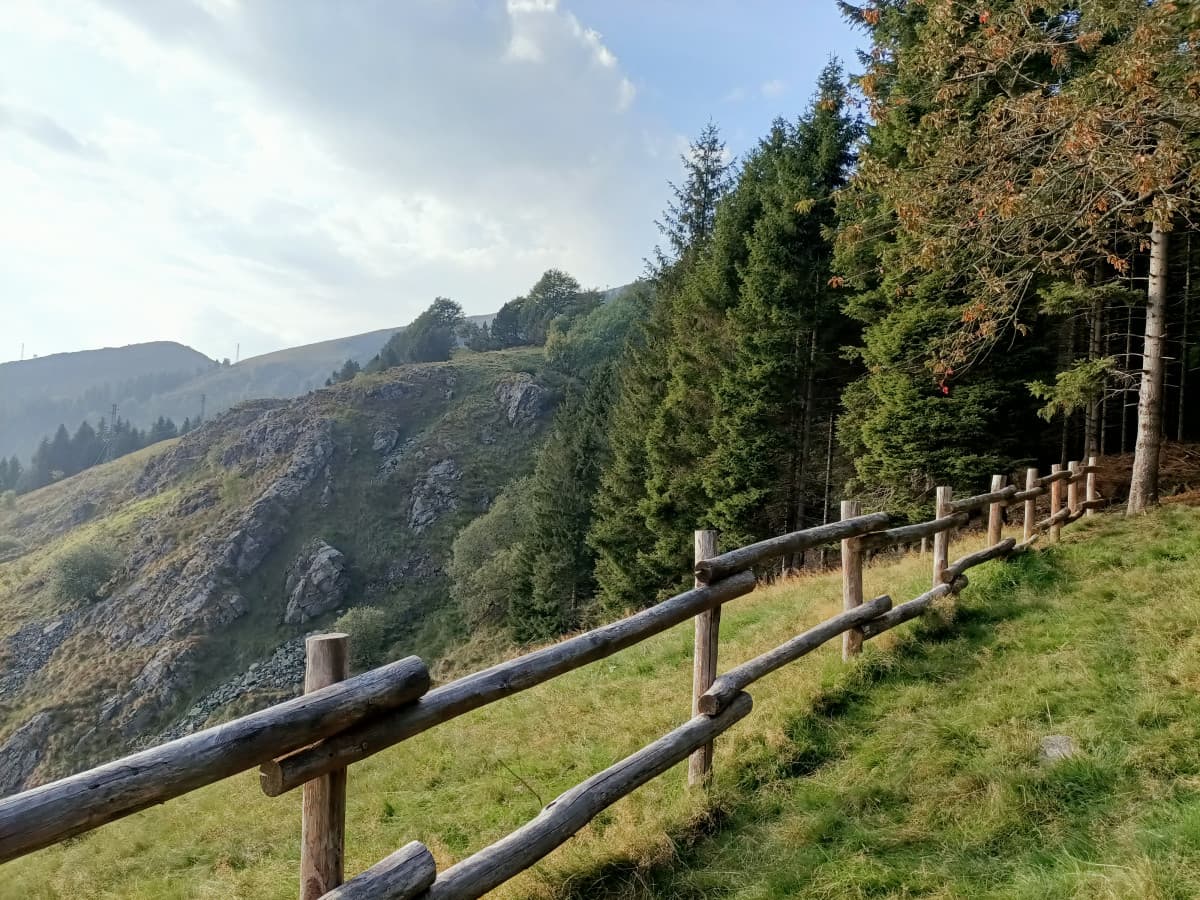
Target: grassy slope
[{"x": 913, "y": 773}]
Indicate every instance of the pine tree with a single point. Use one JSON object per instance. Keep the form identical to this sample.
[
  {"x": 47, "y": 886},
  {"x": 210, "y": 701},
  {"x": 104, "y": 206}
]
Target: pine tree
[
  {"x": 634, "y": 555},
  {"x": 785, "y": 330}
]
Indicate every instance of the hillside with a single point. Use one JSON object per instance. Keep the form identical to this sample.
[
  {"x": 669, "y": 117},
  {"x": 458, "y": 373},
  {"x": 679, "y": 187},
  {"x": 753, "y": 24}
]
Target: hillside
[
  {"x": 915, "y": 772},
  {"x": 36, "y": 395},
  {"x": 229, "y": 544}
]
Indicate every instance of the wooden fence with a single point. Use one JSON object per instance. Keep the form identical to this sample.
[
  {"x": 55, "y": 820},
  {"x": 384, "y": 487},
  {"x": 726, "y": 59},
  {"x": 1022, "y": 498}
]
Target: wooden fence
[{"x": 310, "y": 741}]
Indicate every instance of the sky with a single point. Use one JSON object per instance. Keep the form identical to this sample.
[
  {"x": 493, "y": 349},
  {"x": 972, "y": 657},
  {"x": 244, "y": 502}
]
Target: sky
[{"x": 277, "y": 172}]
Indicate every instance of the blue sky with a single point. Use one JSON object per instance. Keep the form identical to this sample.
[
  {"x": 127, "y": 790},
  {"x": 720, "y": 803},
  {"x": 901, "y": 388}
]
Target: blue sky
[{"x": 276, "y": 172}]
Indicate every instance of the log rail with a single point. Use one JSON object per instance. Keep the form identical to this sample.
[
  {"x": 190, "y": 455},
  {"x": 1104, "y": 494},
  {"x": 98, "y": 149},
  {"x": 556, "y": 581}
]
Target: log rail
[{"x": 318, "y": 735}]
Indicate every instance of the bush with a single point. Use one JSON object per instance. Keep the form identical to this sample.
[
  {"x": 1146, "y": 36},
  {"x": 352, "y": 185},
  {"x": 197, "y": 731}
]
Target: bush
[
  {"x": 80, "y": 573},
  {"x": 370, "y": 631},
  {"x": 8, "y": 500}
]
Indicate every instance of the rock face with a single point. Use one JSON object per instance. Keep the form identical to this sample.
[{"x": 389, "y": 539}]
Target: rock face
[
  {"x": 434, "y": 495},
  {"x": 317, "y": 583},
  {"x": 22, "y": 752},
  {"x": 522, "y": 399},
  {"x": 227, "y": 539},
  {"x": 282, "y": 673}
]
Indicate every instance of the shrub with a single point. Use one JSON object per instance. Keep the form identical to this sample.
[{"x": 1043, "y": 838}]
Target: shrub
[
  {"x": 80, "y": 573},
  {"x": 8, "y": 500},
  {"x": 370, "y": 630}
]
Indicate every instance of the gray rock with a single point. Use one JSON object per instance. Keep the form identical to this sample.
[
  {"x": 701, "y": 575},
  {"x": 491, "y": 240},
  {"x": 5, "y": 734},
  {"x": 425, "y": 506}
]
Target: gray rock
[
  {"x": 487, "y": 435},
  {"x": 1056, "y": 747},
  {"x": 22, "y": 752},
  {"x": 385, "y": 440},
  {"x": 522, "y": 399},
  {"x": 434, "y": 495},
  {"x": 317, "y": 582}
]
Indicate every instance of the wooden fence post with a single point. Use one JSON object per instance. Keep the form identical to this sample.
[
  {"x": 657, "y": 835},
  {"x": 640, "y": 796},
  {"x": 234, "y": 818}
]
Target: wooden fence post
[
  {"x": 1055, "y": 502},
  {"x": 852, "y": 582},
  {"x": 323, "y": 806},
  {"x": 995, "y": 528},
  {"x": 1091, "y": 495},
  {"x": 1031, "y": 482},
  {"x": 941, "y": 540},
  {"x": 1073, "y": 488},
  {"x": 704, "y": 664}
]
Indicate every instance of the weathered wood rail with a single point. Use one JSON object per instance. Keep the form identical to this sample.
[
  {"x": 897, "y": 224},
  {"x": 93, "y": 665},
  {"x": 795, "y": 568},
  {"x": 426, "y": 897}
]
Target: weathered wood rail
[{"x": 310, "y": 741}]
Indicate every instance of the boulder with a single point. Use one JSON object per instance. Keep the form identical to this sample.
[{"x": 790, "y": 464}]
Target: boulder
[
  {"x": 522, "y": 399},
  {"x": 434, "y": 495},
  {"x": 317, "y": 583},
  {"x": 22, "y": 752}
]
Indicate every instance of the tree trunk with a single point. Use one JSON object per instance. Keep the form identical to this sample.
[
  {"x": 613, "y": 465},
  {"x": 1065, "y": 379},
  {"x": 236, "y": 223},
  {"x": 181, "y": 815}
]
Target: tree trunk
[
  {"x": 1143, "y": 487},
  {"x": 1092, "y": 419},
  {"x": 828, "y": 479},
  {"x": 1125, "y": 391},
  {"x": 805, "y": 441},
  {"x": 1183, "y": 338}
]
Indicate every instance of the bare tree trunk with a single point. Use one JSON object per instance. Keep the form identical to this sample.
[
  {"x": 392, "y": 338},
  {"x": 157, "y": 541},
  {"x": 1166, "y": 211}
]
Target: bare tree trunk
[
  {"x": 1092, "y": 418},
  {"x": 1183, "y": 338},
  {"x": 828, "y": 479},
  {"x": 806, "y": 440},
  {"x": 1125, "y": 391},
  {"x": 1143, "y": 487}
]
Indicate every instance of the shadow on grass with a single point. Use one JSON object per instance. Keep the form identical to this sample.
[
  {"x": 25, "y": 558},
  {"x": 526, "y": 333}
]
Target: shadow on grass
[{"x": 943, "y": 646}]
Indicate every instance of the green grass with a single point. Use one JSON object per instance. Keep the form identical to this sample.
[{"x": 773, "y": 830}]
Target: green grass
[{"x": 912, "y": 773}]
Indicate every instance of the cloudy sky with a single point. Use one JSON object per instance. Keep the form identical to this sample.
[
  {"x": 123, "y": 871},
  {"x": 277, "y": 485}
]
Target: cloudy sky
[{"x": 276, "y": 172}]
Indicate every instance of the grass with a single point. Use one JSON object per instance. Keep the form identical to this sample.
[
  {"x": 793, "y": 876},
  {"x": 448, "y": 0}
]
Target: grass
[{"x": 912, "y": 773}]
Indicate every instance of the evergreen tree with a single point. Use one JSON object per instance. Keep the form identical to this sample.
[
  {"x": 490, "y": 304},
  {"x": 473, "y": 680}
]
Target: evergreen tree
[
  {"x": 560, "y": 562},
  {"x": 634, "y": 554}
]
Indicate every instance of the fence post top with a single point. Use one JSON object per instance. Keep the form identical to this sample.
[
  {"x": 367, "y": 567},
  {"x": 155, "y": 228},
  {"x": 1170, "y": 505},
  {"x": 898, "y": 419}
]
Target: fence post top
[{"x": 326, "y": 636}]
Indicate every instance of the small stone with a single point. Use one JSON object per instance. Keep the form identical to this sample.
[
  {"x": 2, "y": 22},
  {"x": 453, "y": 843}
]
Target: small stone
[{"x": 1056, "y": 747}]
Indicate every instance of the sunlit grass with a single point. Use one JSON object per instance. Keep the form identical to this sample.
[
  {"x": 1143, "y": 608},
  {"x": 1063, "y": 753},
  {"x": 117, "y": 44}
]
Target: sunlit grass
[{"x": 912, "y": 772}]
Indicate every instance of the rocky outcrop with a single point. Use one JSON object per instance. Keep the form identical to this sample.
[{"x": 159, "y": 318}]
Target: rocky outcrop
[
  {"x": 216, "y": 525},
  {"x": 317, "y": 583},
  {"x": 22, "y": 752},
  {"x": 434, "y": 495},
  {"x": 282, "y": 673},
  {"x": 522, "y": 399},
  {"x": 30, "y": 648}
]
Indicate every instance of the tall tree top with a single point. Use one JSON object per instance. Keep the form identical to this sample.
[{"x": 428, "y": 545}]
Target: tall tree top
[{"x": 689, "y": 217}]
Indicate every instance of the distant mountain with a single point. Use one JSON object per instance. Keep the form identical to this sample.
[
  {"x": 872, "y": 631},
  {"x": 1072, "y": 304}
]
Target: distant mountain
[
  {"x": 146, "y": 381},
  {"x": 38, "y": 394}
]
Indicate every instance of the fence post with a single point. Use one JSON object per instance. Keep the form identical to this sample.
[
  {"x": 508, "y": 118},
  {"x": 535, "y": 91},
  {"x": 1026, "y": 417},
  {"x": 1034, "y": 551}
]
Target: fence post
[
  {"x": 1055, "y": 502},
  {"x": 852, "y": 582},
  {"x": 704, "y": 664},
  {"x": 996, "y": 513},
  {"x": 1091, "y": 485},
  {"x": 323, "y": 806},
  {"x": 1073, "y": 488},
  {"x": 1031, "y": 482},
  {"x": 941, "y": 540}
]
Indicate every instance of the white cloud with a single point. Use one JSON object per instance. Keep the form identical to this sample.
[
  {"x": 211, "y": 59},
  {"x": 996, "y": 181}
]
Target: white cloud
[
  {"x": 205, "y": 170},
  {"x": 773, "y": 88}
]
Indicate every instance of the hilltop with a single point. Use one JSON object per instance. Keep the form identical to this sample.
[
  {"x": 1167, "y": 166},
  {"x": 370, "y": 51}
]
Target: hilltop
[
  {"x": 225, "y": 546},
  {"x": 909, "y": 773},
  {"x": 36, "y": 395}
]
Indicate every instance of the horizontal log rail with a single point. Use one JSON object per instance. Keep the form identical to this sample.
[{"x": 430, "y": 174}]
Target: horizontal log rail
[
  {"x": 1030, "y": 494},
  {"x": 1059, "y": 518},
  {"x": 709, "y": 571},
  {"x": 907, "y": 534},
  {"x": 996, "y": 551},
  {"x": 62, "y": 809},
  {"x": 502, "y": 680},
  {"x": 733, "y": 682},
  {"x": 898, "y": 615},
  {"x": 401, "y": 876},
  {"x": 980, "y": 500},
  {"x": 570, "y": 812}
]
